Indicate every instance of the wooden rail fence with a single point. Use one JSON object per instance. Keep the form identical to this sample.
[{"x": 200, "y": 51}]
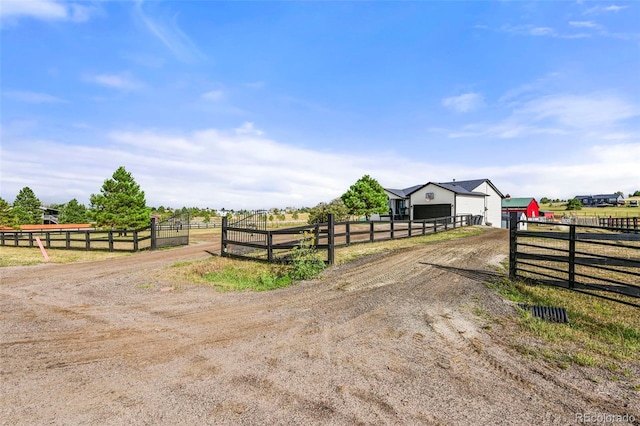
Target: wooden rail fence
[
  {"x": 602, "y": 261},
  {"x": 275, "y": 245}
]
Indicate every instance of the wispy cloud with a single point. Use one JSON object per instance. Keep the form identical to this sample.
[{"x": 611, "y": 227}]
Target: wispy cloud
[
  {"x": 585, "y": 115},
  {"x": 213, "y": 95},
  {"x": 585, "y": 24},
  {"x": 586, "y": 111},
  {"x": 604, "y": 9},
  {"x": 254, "y": 84},
  {"x": 466, "y": 102},
  {"x": 528, "y": 29},
  {"x": 32, "y": 97},
  {"x": 46, "y": 10},
  {"x": 122, "y": 81},
  {"x": 171, "y": 35}
]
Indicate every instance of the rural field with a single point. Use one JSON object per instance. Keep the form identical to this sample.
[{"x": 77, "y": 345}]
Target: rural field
[{"x": 412, "y": 335}]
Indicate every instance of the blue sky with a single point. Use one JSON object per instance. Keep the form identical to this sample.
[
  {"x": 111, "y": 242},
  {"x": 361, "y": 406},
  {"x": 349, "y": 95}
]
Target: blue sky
[{"x": 275, "y": 104}]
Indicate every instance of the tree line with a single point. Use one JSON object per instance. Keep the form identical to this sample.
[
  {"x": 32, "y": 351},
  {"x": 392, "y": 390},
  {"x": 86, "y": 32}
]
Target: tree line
[{"x": 121, "y": 204}]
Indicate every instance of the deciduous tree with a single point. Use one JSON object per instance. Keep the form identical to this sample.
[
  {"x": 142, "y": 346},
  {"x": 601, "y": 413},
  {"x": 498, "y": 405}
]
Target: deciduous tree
[
  {"x": 121, "y": 203},
  {"x": 320, "y": 213},
  {"x": 366, "y": 197},
  {"x": 574, "y": 204}
]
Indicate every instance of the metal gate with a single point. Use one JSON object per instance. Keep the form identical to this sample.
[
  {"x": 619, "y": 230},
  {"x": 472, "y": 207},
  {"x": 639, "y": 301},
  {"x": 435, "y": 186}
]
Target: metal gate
[
  {"x": 249, "y": 230},
  {"x": 170, "y": 232}
]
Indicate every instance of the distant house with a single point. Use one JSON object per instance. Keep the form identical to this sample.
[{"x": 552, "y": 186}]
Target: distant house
[
  {"x": 528, "y": 205},
  {"x": 478, "y": 197},
  {"x": 601, "y": 200},
  {"x": 50, "y": 215}
]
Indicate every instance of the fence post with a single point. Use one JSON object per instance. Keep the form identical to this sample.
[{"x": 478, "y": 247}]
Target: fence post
[
  {"x": 270, "y": 246},
  {"x": 513, "y": 245},
  {"x": 424, "y": 227},
  {"x": 111, "y": 240},
  {"x": 371, "y": 231},
  {"x": 135, "y": 240},
  {"x": 68, "y": 239},
  {"x": 409, "y": 230},
  {"x": 391, "y": 226},
  {"x": 154, "y": 242},
  {"x": 572, "y": 256},
  {"x": 48, "y": 234},
  {"x": 330, "y": 237},
  {"x": 87, "y": 240},
  {"x": 435, "y": 225},
  {"x": 30, "y": 239},
  {"x": 223, "y": 247},
  {"x": 348, "y": 232}
]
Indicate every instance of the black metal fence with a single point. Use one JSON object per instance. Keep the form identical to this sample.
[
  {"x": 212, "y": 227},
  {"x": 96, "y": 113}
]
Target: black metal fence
[
  {"x": 86, "y": 239},
  {"x": 168, "y": 233},
  {"x": 247, "y": 241},
  {"x": 602, "y": 261}
]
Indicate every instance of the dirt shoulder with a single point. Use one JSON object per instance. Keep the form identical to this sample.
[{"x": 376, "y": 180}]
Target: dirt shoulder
[{"x": 394, "y": 338}]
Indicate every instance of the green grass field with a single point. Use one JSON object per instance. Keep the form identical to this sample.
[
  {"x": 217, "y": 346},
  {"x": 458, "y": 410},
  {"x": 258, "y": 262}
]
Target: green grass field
[{"x": 623, "y": 211}]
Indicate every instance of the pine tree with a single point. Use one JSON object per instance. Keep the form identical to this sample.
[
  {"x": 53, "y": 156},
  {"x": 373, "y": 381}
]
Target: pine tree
[
  {"x": 7, "y": 215},
  {"x": 73, "y": 212},
  {"x": 26, "y": 207},
  {"x": 121, "y": 204}
]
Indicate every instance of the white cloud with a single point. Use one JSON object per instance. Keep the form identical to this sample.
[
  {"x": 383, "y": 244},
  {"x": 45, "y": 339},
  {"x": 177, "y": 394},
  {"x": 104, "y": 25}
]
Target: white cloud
[
  {"x": 32, "y": 97},
  {"x": 213, "y": 95},
  {"x": 244, "y": 169},
  {"x": 248, "y": 128},
  {"x": 46, "y": 10},
  {"x": 466, "y": 102},
  {"x": 122, "y": 81}
]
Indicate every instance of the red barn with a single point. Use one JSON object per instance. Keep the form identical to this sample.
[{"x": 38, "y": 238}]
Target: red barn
[{"x": 528, "y": 206}]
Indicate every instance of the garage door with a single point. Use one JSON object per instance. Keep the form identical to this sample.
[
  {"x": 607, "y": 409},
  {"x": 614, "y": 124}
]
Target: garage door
[{"x": 429, "y": 211}]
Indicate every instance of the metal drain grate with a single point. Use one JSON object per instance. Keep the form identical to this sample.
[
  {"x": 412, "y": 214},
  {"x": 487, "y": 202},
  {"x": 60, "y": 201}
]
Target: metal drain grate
[{"x": 547, "y": 313}]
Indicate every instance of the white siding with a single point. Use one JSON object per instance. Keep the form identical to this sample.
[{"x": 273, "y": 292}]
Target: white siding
[
  {"x": 440, "y": 196},
  {"x": 468, "y": 204},
  {"x": 493, "y": 204}
]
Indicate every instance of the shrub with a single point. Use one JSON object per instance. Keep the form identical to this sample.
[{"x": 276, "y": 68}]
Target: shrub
[{"x": 306, "y": 262}]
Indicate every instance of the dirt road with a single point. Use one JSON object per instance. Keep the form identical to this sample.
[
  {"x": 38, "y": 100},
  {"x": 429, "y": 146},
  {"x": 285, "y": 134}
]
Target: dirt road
[{"x": 392, "y": 339}]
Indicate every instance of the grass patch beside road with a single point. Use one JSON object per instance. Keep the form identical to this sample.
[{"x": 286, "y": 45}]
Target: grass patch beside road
[
  {"x": 25, "y": 256},
  {"x": 600, "y": 332},
  {"x": 356, "y": 251},
  {"x": 237, "y": 275}
]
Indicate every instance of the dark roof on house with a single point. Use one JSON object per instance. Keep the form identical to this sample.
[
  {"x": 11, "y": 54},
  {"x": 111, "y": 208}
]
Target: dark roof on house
[
  {"x": 515, "y": 203},
  {"x": 404, "y": 192},
  {"x": 600, "y": 196},
  {"x": 470, "y": 185},
  {"x": 458, "y": 189},
  {"x": 463, "y": 187}
]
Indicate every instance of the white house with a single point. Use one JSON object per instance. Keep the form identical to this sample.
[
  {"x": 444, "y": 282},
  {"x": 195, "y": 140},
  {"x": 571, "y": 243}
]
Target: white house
[{"x": 478, "y": 197}]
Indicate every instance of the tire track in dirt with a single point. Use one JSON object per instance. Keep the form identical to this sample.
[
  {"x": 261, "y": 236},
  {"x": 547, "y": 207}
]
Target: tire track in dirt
[{"x": 384, "y": 340}]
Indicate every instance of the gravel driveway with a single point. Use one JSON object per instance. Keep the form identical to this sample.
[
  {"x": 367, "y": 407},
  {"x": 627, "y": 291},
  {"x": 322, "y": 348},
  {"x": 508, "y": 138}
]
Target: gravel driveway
[{"x": 390, "y": 339}]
